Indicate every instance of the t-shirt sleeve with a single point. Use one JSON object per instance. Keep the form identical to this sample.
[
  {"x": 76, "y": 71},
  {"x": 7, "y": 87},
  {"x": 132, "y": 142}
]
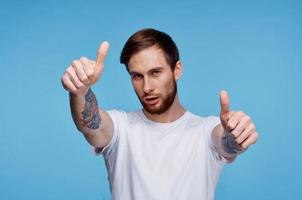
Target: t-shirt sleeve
[
  {"x": 214, "y": 161},
  {"x": 118, "y": 118},
  {"x": 212, "y": 122}
]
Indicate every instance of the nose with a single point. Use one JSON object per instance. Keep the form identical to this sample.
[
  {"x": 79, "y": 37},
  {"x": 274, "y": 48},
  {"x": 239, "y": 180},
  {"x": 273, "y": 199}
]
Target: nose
[{"x": 148, "y": 86}]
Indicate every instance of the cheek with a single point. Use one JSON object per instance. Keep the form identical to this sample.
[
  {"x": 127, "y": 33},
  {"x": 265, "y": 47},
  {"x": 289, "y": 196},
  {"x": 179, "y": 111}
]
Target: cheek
[
  {"x": 137, "y": 87},
  {"x": 164, "y": 81},
  {"x": 167, "y": 86}
]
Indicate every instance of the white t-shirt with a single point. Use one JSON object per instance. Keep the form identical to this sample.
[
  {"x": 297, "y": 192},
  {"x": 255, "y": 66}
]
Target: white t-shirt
[{"x": 162, "y": 161}]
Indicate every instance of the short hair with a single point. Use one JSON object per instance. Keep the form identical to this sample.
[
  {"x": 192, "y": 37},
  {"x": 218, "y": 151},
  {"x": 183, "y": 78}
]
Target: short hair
[{"x": 146, "y": 38}]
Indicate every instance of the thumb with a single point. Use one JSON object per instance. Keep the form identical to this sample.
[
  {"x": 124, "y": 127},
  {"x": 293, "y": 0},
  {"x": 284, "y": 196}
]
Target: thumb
[
  {"x": 224, "y": 104},
  {"x": 102, "y": 53}
]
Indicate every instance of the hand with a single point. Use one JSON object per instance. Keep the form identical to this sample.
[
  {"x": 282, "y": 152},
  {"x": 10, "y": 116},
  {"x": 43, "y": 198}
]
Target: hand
[
  {"x": 237, "y": 123},
  {"x": 83, "y": 73}
]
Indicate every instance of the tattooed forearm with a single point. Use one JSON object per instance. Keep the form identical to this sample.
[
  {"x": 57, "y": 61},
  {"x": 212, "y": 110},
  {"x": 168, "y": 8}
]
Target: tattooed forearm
[
  {"x": 91, "y": 116},
  {"x": 229, "y": 143}
]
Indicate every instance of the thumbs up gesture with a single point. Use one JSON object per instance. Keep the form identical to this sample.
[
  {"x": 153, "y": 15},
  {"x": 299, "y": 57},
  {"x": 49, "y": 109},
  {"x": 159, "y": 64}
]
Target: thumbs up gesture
[
  {"x": 83, "y": 73},
  {"x": 240, "y": 130}
]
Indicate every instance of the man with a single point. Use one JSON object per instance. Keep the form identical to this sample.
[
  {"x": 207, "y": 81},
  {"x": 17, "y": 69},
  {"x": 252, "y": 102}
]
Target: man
[{"x": 161, "y": 151}]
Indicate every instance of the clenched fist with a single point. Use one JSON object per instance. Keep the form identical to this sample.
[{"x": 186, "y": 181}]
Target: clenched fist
[
  {"x": 240, "y": 129},
  {"x": 83, "y": 73}
]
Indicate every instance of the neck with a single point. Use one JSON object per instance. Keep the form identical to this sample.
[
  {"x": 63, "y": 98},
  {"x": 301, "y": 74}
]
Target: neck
[{"x": 175, "y": 111}]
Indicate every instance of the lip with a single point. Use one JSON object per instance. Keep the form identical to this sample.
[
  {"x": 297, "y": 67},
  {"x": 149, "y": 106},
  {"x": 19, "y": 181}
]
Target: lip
[{"x": 152, "y": 100}]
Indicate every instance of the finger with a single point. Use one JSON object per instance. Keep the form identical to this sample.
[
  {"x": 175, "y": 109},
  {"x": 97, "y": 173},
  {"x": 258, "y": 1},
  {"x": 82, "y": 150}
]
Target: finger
[
  {"x": 244, "y": 122},
  {"x": 88, "y": 67},
  {"x": 224, "y": 102},
  {"x": 92, "y": 62},
  {"x": 67, "y": 84},
  {"x": 224, "y": 107},
  {"x": 250, "y": 140},
  {"x": 234, "y": 120},
  {"x": 102, "y": 52},
  {"x": 79, "y": 69},
  {"x": 73, "y": 77},
  {"x": 246, "y": 133}
]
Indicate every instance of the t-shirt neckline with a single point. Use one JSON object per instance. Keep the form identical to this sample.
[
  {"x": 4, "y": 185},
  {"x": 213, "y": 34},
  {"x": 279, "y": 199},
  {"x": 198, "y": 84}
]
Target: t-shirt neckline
[{"x": 166, "y": 124}]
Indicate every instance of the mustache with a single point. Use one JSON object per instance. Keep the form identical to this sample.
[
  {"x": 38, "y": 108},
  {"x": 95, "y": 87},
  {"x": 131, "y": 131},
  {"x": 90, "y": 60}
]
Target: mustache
[{"x": 146, "y": 95}]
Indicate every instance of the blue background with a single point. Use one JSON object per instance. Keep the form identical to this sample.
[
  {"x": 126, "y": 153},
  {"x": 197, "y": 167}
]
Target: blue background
[{"x": 253, "y": 49}]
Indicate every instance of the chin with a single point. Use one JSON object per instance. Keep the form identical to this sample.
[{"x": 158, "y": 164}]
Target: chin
[{"x": 155, "y": 110}]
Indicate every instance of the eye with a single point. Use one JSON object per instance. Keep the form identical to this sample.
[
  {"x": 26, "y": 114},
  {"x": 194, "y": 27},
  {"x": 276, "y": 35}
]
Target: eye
[
  {"x": 156, "y": 73},
  {"x": 136, "y": 76}
]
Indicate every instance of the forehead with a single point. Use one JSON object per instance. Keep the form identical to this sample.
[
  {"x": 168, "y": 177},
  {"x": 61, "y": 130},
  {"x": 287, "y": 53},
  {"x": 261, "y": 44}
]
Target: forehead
[{"x": 147, "y": 59}]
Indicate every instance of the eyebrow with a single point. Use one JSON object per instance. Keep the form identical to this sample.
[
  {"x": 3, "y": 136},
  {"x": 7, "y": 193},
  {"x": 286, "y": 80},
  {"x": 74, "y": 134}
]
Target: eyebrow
[
  {"x": 134, "y": 72},
  {"x": 150, "y": 71},
  {"x": 155, "y": 69}
]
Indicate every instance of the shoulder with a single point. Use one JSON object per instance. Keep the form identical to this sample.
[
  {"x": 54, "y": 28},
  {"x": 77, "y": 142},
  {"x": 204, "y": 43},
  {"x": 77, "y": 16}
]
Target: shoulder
[
  {"x": 204, "y": 119},
  {"x": 209, "y": 121},
  {"x": 121, "y": 115},
  {"x": 212, "y": 121},
  {"x": 116, "y": 112}
]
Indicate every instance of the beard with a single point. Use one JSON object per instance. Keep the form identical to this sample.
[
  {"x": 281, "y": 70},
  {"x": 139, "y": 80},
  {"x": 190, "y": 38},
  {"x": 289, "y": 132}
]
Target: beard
[{"x": 167, "y": 101}]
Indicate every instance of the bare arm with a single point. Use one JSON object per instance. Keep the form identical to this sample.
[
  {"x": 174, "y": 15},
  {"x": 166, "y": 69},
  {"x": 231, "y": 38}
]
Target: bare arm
[
  {"x": 225, "y": 143},
  {"x": 94, "y": 123}
]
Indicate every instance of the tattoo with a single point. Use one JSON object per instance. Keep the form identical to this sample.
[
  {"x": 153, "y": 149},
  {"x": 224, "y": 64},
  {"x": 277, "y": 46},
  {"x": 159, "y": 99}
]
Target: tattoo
[
  {"x": 229, "y": 143},
  {"x": 91, "y": 116}
]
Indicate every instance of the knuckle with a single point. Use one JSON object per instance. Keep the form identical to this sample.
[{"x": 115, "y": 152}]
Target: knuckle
[
  {"x": 92, "y": 62},
  {"x": 80, "y": 84},
  {"x": 90, "y": 74},
  {"x": 84, "y": 79},
  {"x": 253, "y": 127},
  {"x": 230, "y": 128},
  {"x": 69, "y": 70},
  {"x": 66, "y": 76},
  {"x": 75, "y": 65},
  {"x": 64, "y": 79},
  {"x": 241, "y": 113},
  {"x": 248, "y": 118},
  {"x": 234, "y": 133},
  {"x": 256, "y": 136},
  {"x": 245, "y": 145},
  {"x": 92, "y": 70},
  {"x": 230, "y": 125},
  {"x": 238, "y": 140}
]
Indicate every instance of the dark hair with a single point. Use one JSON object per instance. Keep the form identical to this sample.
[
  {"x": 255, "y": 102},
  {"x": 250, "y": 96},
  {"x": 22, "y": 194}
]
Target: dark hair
[{"x": 146, "y": 38}]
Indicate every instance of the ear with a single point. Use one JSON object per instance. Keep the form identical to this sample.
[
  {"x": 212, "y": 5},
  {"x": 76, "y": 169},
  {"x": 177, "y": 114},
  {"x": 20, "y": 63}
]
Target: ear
[{"x": 177, "y": 70}]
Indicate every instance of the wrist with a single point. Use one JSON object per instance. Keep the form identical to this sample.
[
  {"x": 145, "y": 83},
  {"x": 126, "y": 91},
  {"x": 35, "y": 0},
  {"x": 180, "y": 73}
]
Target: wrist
[
  {"x": 229, "y": 143},
  {"x": 80, "y": 94}
]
